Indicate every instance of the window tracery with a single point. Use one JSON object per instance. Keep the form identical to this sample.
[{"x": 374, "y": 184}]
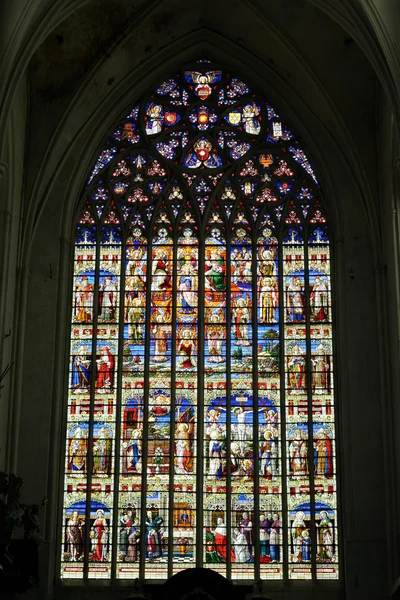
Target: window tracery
[{"x": 201, "y": 395}]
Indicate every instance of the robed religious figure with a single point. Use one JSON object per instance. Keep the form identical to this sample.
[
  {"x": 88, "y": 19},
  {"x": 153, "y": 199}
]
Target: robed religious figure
[{"x": 153, "y": 536}]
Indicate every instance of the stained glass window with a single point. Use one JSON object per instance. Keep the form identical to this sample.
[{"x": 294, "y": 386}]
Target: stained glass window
[{"x": 201, "y": 428}]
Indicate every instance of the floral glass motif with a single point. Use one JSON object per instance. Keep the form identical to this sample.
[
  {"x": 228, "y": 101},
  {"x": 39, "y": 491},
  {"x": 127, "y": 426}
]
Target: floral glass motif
[{"x": 201, "y": 417}]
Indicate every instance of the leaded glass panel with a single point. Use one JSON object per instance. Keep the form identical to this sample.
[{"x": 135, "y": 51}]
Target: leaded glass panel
[{"x": 200, "y": 424}]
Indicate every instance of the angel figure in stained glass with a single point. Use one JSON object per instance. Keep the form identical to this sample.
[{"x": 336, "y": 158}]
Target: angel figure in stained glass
[
  {"x": 136, "y": 266},
  {"x": 271, "y": 420},
  {"x": 250, "y": 118},
  {"x": 203, "y": 82},
  {"x": 154, "y": 119},
  {"x": 202, "y": 154}
]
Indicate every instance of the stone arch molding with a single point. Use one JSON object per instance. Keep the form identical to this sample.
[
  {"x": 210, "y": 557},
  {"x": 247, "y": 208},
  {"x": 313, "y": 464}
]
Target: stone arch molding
[
  {"x": 96, "y": 108},
  {"x": 62, "y": 177},
  {"x": 25, "y": 37}
]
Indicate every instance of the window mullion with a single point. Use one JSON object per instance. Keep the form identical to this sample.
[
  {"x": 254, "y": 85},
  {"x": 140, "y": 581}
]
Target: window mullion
[
  {"x": 118, "y": 412},
  {"x": 282, "y": 416},
  {"x": 172, "y": 413},
  {"x": 200, "y": 446},
  {"x": 91, "y": 414},
  {"x": 145, "y": 441},
  {"x": 256, "y": 441},
  {"x": 313, "y": 532},
  {"x": 228, "y": 411}
]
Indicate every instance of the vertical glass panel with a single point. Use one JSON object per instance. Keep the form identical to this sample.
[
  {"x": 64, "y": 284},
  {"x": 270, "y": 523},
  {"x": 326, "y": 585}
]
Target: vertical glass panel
[
  {"x": 323, "y": 399},
  {"x": 185, "y": 451},
  {"x": 269, "y": 406},
  {"x": 215, "y": 405},
  {"x": 73, "y": 535},
  {"x": 215, "y": 532},
  {"x": 132, "y": 405},
  {"x": 296, "y": 400},
  {"x": 184, "y": 524},
  {"x": 211, "y": 223},
  {"x": 270, "y": 532},
  {"x": 159, "y": 408},
  {"x": 156, "y": 533},
  {"x": 105, "y": 400},
  {"x": 161, "y": 304},
  {"x": 158, "y": 478},
  {"x": 100, "y": 533},
  {"x": 80, "y": 367},
  {"x": 242, "y": 534},
  {"x": 128, "y": 533},
  {"x": 299, "y": 536}
]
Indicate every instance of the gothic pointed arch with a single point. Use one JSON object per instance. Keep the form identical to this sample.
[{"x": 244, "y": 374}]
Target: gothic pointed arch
[{"x": 201, "y": 426}]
